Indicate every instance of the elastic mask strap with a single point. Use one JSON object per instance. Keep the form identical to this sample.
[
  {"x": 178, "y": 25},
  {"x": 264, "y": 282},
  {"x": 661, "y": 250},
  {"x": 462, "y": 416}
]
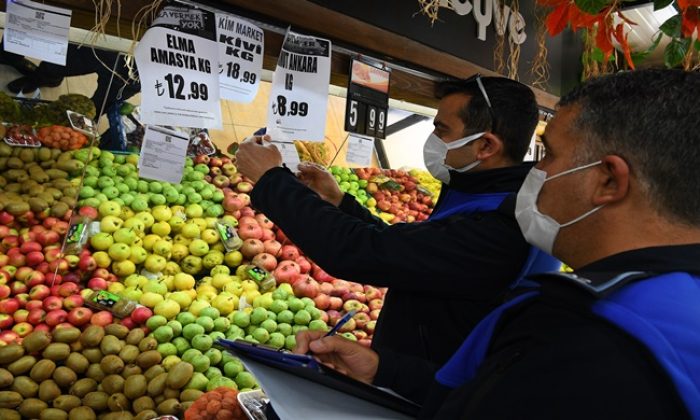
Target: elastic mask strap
[
  {"x": 583, "y": 216},
  {"x": 464, "y": 141},
  {"x": 579, "y": 168}
]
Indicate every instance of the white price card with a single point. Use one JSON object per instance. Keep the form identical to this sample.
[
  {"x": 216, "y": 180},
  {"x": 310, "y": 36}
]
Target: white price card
[
  {"x": 178, "y": 64},
  {"x": 360, "y": 150},
  {"x": 37, "y": 30},
  {"x": 290, "y": 156},
  {"x": 163, "y": 154},
  {"x": 241, "y": 46},
  {"x": 299, "y": 95}
]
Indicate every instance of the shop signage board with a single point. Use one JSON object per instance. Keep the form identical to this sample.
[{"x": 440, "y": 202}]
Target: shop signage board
[
  {"x": 299, "y": 95},
  {"x": 241, "y": 47},
  {"x": 178, "y": 63},
  {"x": 367, "y": 99},
  {"x": 37, "y": 30},
  {"x": 162, "y": 155},
  {"x": 360, "y": 150}
]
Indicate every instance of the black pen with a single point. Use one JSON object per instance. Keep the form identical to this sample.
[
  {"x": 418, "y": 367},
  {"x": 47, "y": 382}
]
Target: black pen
[{"x": 342, "y": 321}]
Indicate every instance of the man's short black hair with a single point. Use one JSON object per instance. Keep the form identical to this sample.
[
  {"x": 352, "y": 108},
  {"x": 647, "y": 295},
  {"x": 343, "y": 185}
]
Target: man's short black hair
[
  {"x": 514, "y": 111},
  {"x": 650, "y": 118}
]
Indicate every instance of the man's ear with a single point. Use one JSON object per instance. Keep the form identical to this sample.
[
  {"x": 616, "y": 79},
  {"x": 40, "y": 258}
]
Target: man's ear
[
  {"x": 613, "y": 182},
  {"x": 488, "y": 146}
]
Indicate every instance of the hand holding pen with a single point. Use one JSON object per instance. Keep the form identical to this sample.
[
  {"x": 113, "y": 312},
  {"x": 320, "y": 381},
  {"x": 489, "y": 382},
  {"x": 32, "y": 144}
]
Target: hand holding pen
[{"x": 342, "y": 321}]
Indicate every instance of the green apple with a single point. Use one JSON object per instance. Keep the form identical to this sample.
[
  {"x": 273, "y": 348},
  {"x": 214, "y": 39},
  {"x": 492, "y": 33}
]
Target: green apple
[
  {"x": 213, "y": 374},
  {"x": 233, "y": 258},
  {"x": 290, "y": 342},
  {"x": 182, "y": 345},
  {"x": 206, "y": 322},
  {"x": 210, "y": 312},
  {"x": 125, "y": 235},
  {"x": 269, "y": 325},
  {"x": 123, "y": 268},
  {"x": 202, "y": 342},
  {"x": 139, "y": 204},
  {"x": 155, "y": 286},
  {"x": 155, "y": 322},
  {"x": 191, "y": 231},
  {"x": 276, "y": 340},
  {"x": 261, "y": 334},
  {"x": 263, "y": 301},
  {"x": 295, "y": 304},
  {"x": 105, "y": 182},
  {"x": 119, "y": 252},
  {"x": 138, "y": 254},
  {"x": 132, "y": 293},
  {"x": 235, "y": 332},
  {"x": 215, "y": 210},
  {"x": 318, "y": 325},
  {"x": 182, "y": 298},
  {"x": 176, "y": 326},
  {"x": 241, "y": 318},
  {"x": 194, "y": 198},
  {"x": 302, "y": 317},
  {"x": 110, "y": 224},
  {"x": 217, "y": 335},
  {"x": 191, "y": 330},
  {"x": 161, "y": 228},
  {"x": 221, "y": 324},
  {"x": 198, "y": 382},
  {"x": 285, "y": 316},
  {"x": 220, "y": 382},
  {"x": 155, "y": 187},
  {"x": 186, "y": 318},
  {"x": 197, "y": 306},
  {"x": 296, "y": 329},
  {"x": 101, "y": 241},
  {"x": 214, "y": 356},
  {"x": 245, "y": 380},
  {"x": 157, "y": 199},
  {"x": 201, "y": 363},
  {"x": 163, "y": 248},
  {"x": 109, "y": 208},
  {"x": 155, "y": 263},
  {"x": 258, "y": 316},
  {"x": 171, "y": 195},
  {"x": 90, "y": 181},
  {"x": 164, "y": 334},
  {"x": 167, "y": 308},
  {"x": 136, "y": 224},
  {"x": 161, "y": 213},
  {"x": 278, "y": 305},
  {"x": 233, "y": 368},
  {"x": 146, "y": 218},
  {"x": 284, "y": 328},
  {"x": 271, "y": 315},
  {"x": 217, "y": 197},
  {"x": 198, "y": 247},
  {"x": 111, "y": 193},
  {"x": 189, "y": 355},
  {"x": 87, "y": 192}
]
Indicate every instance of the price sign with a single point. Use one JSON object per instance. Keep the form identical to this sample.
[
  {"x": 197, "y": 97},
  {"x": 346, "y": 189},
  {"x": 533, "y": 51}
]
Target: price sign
[
  {"x": 178, "y": 61},
  {"x": 368, "y": 99},
  {"x": 360, "y": 150},
  {"x": 162, "y": 155},
  {"x": 240, "y": 57},
  {"x": 37, "y": 30},
  {"x": 299, "y": 96}
]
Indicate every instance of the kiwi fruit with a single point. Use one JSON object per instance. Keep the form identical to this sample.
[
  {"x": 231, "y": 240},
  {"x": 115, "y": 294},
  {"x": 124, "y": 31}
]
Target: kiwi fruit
[
  {"x": 148, "y": 358},
  {"x": 48, "y": 390},
  {"x": 82, "y": 413},
  {"x": 118, "y": 330},
  {"x": 25, "y": 386},
  {"x": 77, "y": 363},
  {"x": 153, "y": 371},
  {"x": 53, "y": 414},
  {"x": 118, "y": 402},
  {"x": 42, "y": 370},
  {"x": 111, "y": 364},
  {"x": 170, "y": 406},
  {"x": 129, "y": 353},
  {"x": 179, "y": 375},
  {"x": 142, "y": 404},
  {"x": 95, "y": 372},
  {"x": 190, "y": 395},
  {"x": 92, "y": 336},
  {"x": 6, "y": 378},
  {"x": 56, "y": 352},
  {"x": 10, "y": 353},
  {"x": 64, "y": 377},
  {"x": 93, "y": 355},
  {"x": 110, "y": 345},
  {"x": 96, "y": 400},
  {"x": 67, "y": 402},
  {"x": 157, "y": 385},
  {"x": 37, "y": 340},
  {"x": 130, "y": 370},
  {"x": 135, "y": 336},
  {"x": 31, "y": 408},
  {"x": 22, "y": 365},
  {"x": 66, "y": 335},
  {"x": 146, "y": 415},
  {"x": 148, "y": 343},
  {"x": 82, "y": 387},
  {"x": 113, "y": 384},
  {"x": 169, "y": 393},
  {"x": 135, "y": 386}
]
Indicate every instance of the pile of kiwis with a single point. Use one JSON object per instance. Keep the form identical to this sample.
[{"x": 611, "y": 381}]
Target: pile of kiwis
[
  {"x": 37, "y": 180},
  {"x": 101, "y": 373}
]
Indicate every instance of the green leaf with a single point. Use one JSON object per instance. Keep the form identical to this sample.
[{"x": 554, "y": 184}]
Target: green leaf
[
  {"x": 675, "y": 52},
  {"x": 597, "y": 55},
  {"x": 672, "y": 27},
  {"x": 660, "y": 4},
  {"x": 697, "y": 45},
  {"x": 592, "y": 6},
  {"x": 638, "y": 57}
]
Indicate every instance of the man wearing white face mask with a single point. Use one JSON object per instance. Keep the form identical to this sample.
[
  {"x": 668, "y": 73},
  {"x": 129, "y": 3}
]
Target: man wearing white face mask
[
  {"x": 617, "y": 198},
  {"x": 446, "y": 273}
]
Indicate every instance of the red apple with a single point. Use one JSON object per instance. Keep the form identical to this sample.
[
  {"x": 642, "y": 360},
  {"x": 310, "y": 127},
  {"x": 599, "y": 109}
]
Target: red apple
[
  {"x": 128, "y": 323},
  {"x": 141, "y": 314},
  {"x": 20, "y": 315},
  {"x": 30, "y": 246},
  {"x": 361, "y": 319},
  {"x": 87, "y": 263},
  {"x": 18, "y": 287},
  {"x": 79, "y": 316},
  {"x": 72, "y": 260},
  {"x": 22, "y": 274},
  {"x": 4, "y": 231},
  {"x": 36, "y": 278},
  {"x": 204, "y": 159},
  {"x": 71, "y": 277},
  {"x": 374, "y": 314},
  {"x": 356, "y": 287},
  {"x": 101, "y": 318},
  {"x": 23, "y": 299},
  {"x": 372, "y": 293},
  {"x": 39, "y": 292},
  {"x": 324, "y": 316},
  {"x": 102, "y": 273},
  {"x": 52, "y": 254},
  {"x": 247, "y": 211},
  {"x": 53, "y": 279},
  {"x": 352, "y": 304},
  {"x": 286, "y": 272},
  {"x": 376, "y": 304},
  {"x": 68, "y": 289},
  {"x": 73, "y": 301},
  {"x": 36, "y": 316},
  {"x": 85, "y": 293},
  {"x": 371, "y": 325},
  {"x": 333, "y": 316},
  {"x": 321, "y": 275},
  {"x": 59, "y": 266},
  {"x": 265, "y": 261},
  {"x": 34, "y": 304},
  {"x": 5, "y": 291},
  {"x": 42, "y": 327},
  {"x": 61, "y": 227},
  {"x": 322, "y": 301},
  {"x": 359, "y": 334},
  {"x": 305, "y": 287},
  {"x": 5, "y": 277},
  {"x": 53, "y": 303},
  {"x": 9, "y": 336},
  {"x": 4, "y": 259},
  {"x": 340, "y": 287},
  {"x": 89, "y": 212},
  {"x": 6, "y": 321},
  {"x": 55, "y": 317},
  {"x": 64, "y": 324},
  {"x": 251, "y": 248},
  {"x": 23, "y": 329},
  {"x": 325, "y": 288},
  {"x": 336, "y": 303},
  {"x": 267, "y": 234},
  {"x": 348, "y": 326},
  {"x": 232, "y": 204},
  {"x": 97, "y": 283},
  {"x": 244, "y": 187}
]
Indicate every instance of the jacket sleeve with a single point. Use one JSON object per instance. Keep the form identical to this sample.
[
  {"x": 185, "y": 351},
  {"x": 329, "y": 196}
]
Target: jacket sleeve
[
  {"x": 413, "y": 383},
  {"x": 438, "y": 255}
]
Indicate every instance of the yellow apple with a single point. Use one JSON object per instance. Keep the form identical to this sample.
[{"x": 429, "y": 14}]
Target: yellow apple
[
  {"x": 162, "y": 248},
  {"x": 225, "y": 303},
  {"x": 151, "y": 299},
  {"x": 150, "y": 240},
  {"x": 123, "y": 268},
  {"x": 191, "y": 230},
  {"x": 147, "y": 218},
  {"x": 199, "y": 221},
  {"x": 210, "y": 236},
  {"x": 197, "y": 305},
  {"x": 220, "y": 280},
  {"x": 179, "y": 252},
  {"x": 183, "y": 281},
  {"x": 211, "y": 222},
  {"x": 250, "y": 296},
  {"x": 233, "y": 258},
  {"x": 249, "y": 285},
  {"x": 179, "y": 239},
  {"x": 176, "y": 223},
  {"x": 138, "y": 254},
  {"x": 116, "y": 287},
  {"x": 102, "y": 259},
  {"x": 171, "y": 268},
  {"x": 167, "y": 280},
  {"x": 182, "y": 298},
  {"x": 287, "y": 288},
  {"x": 161, "y": 228},
  {"x": 234, "y": 287},
  {"x": 161, "y": 213},
  {"x": 192, "y": 293},
  {"x": 135, "y": 223},
  {"x": 218, "y": 247},
  {"x": 167, "y": 308}
]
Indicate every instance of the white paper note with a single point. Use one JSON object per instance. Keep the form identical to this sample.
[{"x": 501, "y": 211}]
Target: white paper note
[
  {"x": 299, "y": 95},
  {"x": 163, "y": 155},
  {"x": 37, "y": 30},
  {"x": 241, "y": 47},
  {"x": 360, "y": 150},
  {"x": 290, "y": 156}
]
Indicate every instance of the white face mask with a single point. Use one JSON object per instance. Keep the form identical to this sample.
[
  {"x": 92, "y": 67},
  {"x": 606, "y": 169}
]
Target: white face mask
[
  {"x": 539, "y": 229},
  {"x": 435, "y": 152}
]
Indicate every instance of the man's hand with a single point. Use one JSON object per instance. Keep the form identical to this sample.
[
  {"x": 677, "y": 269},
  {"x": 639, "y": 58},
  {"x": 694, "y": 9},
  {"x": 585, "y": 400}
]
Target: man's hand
[
  {"x": 256, "y": 156},
  {"x": 320, "y": 181},
  {"x": 350, "y": 358}
]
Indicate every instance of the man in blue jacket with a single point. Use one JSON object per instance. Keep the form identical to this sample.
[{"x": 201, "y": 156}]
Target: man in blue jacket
[
  {"x": 617, "y": 198},
  {"x": 482, "y": 130}
]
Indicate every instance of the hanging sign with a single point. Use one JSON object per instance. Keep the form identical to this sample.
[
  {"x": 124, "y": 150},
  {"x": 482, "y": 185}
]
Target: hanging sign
[
  {"x": 367, "y": 100},
  {"x": 299, "y": 96},
  {"x": 37, "y": 30},
  {"x": 240, "y": 57},
  {"x": 360, "y": 150},
  {"x": 178, "y": 63},
  {"x": 162, "y": 155}
]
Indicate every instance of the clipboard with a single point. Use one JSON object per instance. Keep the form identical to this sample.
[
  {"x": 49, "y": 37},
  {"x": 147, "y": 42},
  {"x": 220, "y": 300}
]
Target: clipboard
[{"x": 307, "y": 367}]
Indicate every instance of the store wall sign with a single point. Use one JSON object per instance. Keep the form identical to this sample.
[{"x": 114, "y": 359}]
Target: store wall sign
[
  {"x": 241, "y": 46},
  {"x": 299, "y": 95},
  {"x": 178, "y": 63},
  {"x": 368, "y": 99},
  {"x": 486, "y": 12},
  {"x": 37, "y": 30}
]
